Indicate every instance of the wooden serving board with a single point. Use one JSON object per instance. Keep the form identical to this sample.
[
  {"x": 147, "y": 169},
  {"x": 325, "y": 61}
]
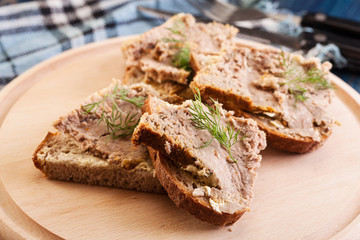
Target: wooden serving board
[{"x": 309, "y": 196}]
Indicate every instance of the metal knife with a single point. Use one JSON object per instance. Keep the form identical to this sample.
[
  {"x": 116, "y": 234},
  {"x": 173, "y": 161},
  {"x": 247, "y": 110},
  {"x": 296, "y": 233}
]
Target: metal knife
[{"x": 225, "y": 12}]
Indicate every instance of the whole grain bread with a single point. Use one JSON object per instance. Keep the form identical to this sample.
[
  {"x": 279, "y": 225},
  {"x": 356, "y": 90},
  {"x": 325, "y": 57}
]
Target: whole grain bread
[
  {"x": 270, "y": 86},
  {"x": 84, "y": 150},
  {"x": 60, "y": 157},
  {"x": 205, "y": 181}
]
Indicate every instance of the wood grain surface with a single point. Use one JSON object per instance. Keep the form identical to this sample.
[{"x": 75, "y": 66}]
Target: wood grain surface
[{"x": 309, "y": 196}]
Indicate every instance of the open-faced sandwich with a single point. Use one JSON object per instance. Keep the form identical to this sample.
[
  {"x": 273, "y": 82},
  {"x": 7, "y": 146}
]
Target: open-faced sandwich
[
  {"x": 204, "y": 157},
  {"x": 286, "y": 94},
  {"x": 93, "y": 142}
]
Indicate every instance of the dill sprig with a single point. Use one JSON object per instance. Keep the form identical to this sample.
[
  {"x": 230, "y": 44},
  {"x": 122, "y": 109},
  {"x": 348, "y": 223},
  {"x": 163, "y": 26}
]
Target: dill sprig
[
  {"x": 296, "y": 80},
  {"x": 210, "y": 120},
  {"x": 181, "y": 59},
  {"x": 178, "y": 27},
  {"x": 118, "y": 123},
  {"x": 172, "y": 40}
]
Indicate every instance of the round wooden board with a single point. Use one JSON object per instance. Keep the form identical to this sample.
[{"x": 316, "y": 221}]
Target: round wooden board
[{"x": 309, "y": 196}]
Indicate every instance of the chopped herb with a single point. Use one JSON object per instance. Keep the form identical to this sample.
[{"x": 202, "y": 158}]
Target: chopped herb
[
  {"x": 298, "y": 93},
  {"x": 296, "y": 80},
  {"x": 210, "y": 120},
  {"x": 118, "y": 123},
  {"x": 172, "y": 40},
  {"x": 178, "y": 27},
  {"x": 181, "y": 59}
]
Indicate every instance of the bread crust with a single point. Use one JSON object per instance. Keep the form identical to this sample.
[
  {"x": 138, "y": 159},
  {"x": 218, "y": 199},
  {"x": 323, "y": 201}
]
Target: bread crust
[
  {"x": 38, "y": 164},
  {"x": 178, "y": 194}
]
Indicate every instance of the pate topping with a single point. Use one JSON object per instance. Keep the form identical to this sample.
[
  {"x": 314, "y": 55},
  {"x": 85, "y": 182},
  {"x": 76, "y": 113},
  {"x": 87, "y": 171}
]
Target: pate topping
[
  {"x": 290, "y": 93},
  {"x": 93, "y": 135}
]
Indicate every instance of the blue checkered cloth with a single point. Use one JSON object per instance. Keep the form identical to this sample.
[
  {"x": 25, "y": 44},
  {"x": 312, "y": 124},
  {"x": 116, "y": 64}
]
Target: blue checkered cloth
[{"x": 35, "y": 31}]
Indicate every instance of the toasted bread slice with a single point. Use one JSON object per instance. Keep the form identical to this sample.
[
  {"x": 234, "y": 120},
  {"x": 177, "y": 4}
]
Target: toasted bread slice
[
  {"x": 88, "y": 151},
  {"x": 60, "y": 157},
  {"x": 286, "y": 94},
  {"x": 205, "y": 181}
]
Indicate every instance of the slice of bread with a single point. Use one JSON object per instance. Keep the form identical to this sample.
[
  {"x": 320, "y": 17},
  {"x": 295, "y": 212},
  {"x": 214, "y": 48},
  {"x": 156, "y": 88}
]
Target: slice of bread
[
  {"x": 85, "y": 151},
  {"x": 272, "y": 87},
  {"x": 60, "y": 157},
  {"x": 205, "y": 181}
]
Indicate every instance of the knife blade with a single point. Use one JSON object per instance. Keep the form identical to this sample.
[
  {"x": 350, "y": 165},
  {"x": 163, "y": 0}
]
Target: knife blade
[{"x": 226, "y": 12}]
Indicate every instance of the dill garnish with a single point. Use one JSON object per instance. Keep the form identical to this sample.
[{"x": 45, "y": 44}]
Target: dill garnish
[
  {"x": 181, "y": 59},
  {"x": 118, "y": 123},
  {"x": 210, "y": 120},
  {"x": 172, "y": 40},
  {"x": 178, "y": 27},
  {"x": 297, "y": 80}
]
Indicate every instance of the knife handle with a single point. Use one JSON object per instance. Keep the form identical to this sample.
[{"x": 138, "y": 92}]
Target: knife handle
[
  {"x": 349, "y": 47},
  {"x": 332, "y": 24}
]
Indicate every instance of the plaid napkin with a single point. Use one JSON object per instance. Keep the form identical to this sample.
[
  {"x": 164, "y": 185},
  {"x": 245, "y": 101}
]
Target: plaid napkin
[{"x": 35, "y": 31}]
